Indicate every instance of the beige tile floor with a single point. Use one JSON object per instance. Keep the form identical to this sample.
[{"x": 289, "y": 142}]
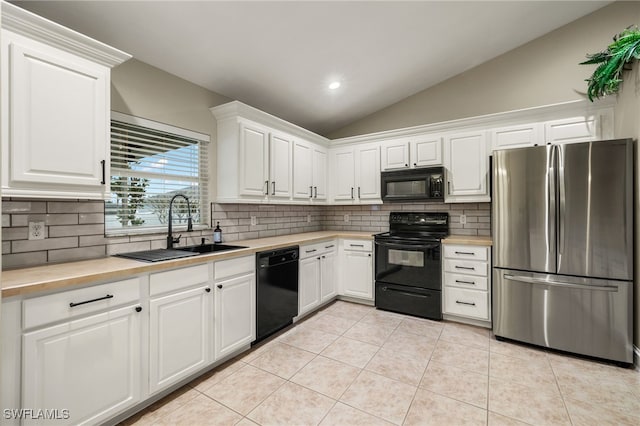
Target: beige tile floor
[{"x": 351, "y": 364}]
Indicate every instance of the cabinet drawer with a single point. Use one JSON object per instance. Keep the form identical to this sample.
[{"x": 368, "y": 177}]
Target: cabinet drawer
[
  {"x": 315, "y": 249},
  {"x": 469, "y": 303},
  {"x": 466, "y": 252},
  {"x": 237, "y": 266},
  {"x": 467, "y": 267},
  {"x": 471, "y": 282},
  {"x": 69, "y": 304},
  {"x": 358, "y": 245},
  {"x": 176, "y": 279}
]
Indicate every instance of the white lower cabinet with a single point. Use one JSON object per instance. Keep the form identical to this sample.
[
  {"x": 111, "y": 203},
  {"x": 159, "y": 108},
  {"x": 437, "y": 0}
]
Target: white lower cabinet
[
  {"x": 356, "y": 268},
  {"x": 89, "y": 366},
  {"x": 316, "y": 275},
  {"x": 180, "y": 325},
  {"x": 467, "y": 283},
  {"x": 235, "y": 306}
]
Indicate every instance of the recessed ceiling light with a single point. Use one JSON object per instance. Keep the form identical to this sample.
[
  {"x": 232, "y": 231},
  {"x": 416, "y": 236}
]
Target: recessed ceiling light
[{"x": 334, "y": 85}]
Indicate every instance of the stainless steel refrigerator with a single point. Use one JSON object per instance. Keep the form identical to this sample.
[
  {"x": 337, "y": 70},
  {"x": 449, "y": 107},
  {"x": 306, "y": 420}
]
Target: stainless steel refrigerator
[{"x": 563, "y": 247}]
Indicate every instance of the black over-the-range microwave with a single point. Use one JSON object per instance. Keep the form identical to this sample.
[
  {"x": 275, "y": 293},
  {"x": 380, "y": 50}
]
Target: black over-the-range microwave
[{"x": 425, "y": 184}]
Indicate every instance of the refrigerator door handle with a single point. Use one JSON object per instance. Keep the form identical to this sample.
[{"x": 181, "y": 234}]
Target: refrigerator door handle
[
  {"x": 551, "y": 201},
  {"x": 562, "y": 203},
  {"x": 541, "y": 281}
]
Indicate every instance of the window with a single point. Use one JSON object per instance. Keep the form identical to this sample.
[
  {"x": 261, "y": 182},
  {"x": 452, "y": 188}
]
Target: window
[{"x": 150, "y": 163}]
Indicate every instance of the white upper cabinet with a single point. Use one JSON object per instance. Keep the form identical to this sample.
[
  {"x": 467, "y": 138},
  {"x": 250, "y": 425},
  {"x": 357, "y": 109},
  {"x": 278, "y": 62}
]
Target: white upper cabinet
[
  {"x": 517, "y": 136},
  {"x": 418, "y": 151},
  {"x": 309, "y": 171},
  {"x": 355, "y": 173},
  {"x": 395, "y": 155},
  {"x": 574, "y": 129},
  {"x": 467, "y": 166},
  {"x": 55, "y": 109},
  {"x": 254, "y": 159},
  {"x": 264, "y": 159}
]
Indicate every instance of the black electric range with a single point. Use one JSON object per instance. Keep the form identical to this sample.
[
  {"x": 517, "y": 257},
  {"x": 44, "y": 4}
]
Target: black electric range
[{"x": 408, "y": 267}]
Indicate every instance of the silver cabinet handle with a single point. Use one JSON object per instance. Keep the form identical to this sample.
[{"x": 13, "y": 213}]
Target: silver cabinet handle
[
  {"x": 465, "y": 252},
  {"x": 465, "y": 303},
  {"x": 273, "y": 186},
  {"x": 465, "y": 267},
  {"x": 465, "y": 282}
]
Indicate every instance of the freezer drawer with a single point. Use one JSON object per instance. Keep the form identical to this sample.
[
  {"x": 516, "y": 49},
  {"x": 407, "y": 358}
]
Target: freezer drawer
[{"x": 584, "y": 316}]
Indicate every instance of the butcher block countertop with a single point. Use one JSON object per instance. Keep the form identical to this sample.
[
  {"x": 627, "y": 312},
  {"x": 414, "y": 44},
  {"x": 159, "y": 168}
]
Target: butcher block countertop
[
  {"x": 62, "y": 275},
  {"x": 468, "y": 239}
]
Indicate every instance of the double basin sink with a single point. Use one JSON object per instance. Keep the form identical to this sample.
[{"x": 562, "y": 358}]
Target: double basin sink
[{"x": 178, "y": 252}]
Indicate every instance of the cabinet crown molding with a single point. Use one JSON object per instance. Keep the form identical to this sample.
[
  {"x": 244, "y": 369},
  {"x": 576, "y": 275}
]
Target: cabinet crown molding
[
  {"x": 237, "y": 109},
  {"x": 30, "y": 25}
]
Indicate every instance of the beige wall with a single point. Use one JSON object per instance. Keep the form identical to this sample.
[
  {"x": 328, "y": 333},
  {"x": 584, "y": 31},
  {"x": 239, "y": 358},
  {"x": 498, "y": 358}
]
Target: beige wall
[
  {"x": 142, "y": 90},
  {"x": 542, "y": 72}
]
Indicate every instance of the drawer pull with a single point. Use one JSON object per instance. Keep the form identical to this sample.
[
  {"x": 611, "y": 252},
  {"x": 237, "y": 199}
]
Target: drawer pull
[
  {"x": 108, "y": 296},
  {"x": 310, "y": 251},
  {"x": 356, "y": 245},
  {"x": 404, "y": 293},
  {"x": 466, "y": 282},
  {"x": 219, "y": 286},
  {"x": 465, "y": 303},
  {"x": 468, "y": 253},
  {"x": 328, "y": 247},
  {"x": 208, "y": 290},
  {"x": 470, "y": 268},
  {"x": 138, "y": 308}
]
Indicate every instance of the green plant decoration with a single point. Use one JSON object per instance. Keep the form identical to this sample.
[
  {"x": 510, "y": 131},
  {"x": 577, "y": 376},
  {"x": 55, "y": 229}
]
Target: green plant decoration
[{"x": 617, "y": 58}]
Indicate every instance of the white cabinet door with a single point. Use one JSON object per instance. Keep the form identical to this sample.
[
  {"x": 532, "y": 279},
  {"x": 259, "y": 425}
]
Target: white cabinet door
[
  {"x": 395, "y": 155},
  {"x": 517, "y": 136},
  {"x": 328, "y": 287},
  {"x": 570, "y": 130},
  {"x": 357, "y": 274},
  {"x": 309, "y": 284},
  {"x": 343, "y": 176},
  {"x": 91, "y": 366},
  {"x": 467, "y": 164},
  {"x": 319, "y": 173},
  {"x": 57, "y": 106},
  {"x": 235, "y": 314},
  {"x": 426, "y": 151},
  {"x": 180, "y": 336},
  {"x": 368, "y": 172},
  {"x": 303, "y": 168},
  {"x": 280, "y": 166},
  {"x": 254, "y": 165}
]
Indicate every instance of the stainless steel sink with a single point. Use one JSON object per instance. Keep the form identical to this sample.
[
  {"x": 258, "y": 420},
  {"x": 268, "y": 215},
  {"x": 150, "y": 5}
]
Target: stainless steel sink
[
  {"x": 209, "y": 248},
  {"x": 159, "y": 255}
]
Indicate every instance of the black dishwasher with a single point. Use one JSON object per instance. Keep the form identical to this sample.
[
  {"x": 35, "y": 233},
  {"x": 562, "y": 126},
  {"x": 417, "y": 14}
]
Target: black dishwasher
[{"x": 277, "y": 290}]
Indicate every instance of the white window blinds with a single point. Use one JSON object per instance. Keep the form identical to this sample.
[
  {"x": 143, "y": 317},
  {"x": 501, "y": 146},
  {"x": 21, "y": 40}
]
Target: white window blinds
[{"x": 150, "y": 163}]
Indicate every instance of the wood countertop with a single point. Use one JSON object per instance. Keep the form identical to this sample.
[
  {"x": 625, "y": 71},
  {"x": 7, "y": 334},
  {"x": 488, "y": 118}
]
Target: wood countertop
[
  {"x": 468, "y": 239},
  {"x": 62, "y": 275}
]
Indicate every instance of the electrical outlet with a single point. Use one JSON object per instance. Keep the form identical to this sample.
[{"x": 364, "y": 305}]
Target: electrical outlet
[
  {"x": 308, "y": 218},
  {"x": 36, "y": 230},
  {"x": 254, "y": 222},
  {"x": 346, "y": 217},
  {"x": 463, "y": 219}
]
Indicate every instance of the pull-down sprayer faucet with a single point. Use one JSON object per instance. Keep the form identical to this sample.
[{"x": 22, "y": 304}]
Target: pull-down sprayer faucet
[{"x": 170, "y": 240}]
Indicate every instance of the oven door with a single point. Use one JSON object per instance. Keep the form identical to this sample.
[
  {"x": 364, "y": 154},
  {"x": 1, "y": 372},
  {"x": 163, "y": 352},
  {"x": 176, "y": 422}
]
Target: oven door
[{"x": 409, "y": 263}]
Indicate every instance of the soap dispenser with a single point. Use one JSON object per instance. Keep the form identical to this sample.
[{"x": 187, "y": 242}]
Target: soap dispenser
[{"x": 217, "y": 234}]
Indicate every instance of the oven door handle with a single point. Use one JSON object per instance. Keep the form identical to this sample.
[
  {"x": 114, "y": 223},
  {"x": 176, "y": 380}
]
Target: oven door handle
[
  {"x": 405, "y": 293},
  {"x": 408, "y": 245}
]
